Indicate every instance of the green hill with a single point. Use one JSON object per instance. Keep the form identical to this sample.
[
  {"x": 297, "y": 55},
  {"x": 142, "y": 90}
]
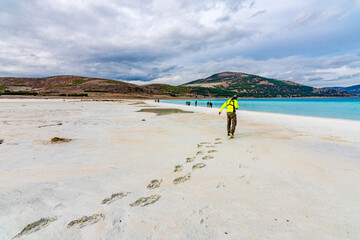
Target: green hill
[{"x": 247, "y": 85}]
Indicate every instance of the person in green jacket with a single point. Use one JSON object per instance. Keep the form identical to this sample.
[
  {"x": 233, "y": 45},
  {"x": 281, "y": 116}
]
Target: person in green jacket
[{"x": 231, "y": 105}]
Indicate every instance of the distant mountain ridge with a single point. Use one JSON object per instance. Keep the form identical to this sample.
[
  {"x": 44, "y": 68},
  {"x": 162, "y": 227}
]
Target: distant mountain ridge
[
  {"x": 248, "y": 85},
  {"x": 352, "y": 89},
  {"x": 222, "y": 85}
]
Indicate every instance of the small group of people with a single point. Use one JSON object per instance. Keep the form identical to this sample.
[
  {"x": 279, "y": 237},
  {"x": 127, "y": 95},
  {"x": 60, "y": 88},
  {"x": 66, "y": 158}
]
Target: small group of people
[
  {"x": 209, "y": 104},
  {"x": 157, "y": 100},
  {"x": 188, "y": 103}
]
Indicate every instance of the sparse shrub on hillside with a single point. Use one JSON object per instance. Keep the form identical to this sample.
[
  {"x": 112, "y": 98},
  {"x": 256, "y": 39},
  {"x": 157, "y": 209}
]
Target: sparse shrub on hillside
[
  {"x": 78, "y": 81},
  {"x": 215, "y": 92},
  {"x": 174, "y": 89},
  {"x": 78, "y": 95},
  {"x": 100, "y": 91},
  {"x": 19, "y": 85},
  {"x": 19, "y": 93}
]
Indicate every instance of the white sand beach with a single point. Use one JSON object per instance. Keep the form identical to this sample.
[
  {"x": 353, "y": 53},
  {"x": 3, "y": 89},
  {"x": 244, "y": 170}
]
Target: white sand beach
[{"x": 281, "y": 177}]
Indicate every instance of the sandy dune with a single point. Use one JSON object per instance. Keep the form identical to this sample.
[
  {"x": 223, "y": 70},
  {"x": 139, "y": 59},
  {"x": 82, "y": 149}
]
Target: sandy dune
[{"x": 281, "y": 177}]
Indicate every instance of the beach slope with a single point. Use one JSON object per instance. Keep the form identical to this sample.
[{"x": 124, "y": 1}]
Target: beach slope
[{"x": 126, "y": 170}]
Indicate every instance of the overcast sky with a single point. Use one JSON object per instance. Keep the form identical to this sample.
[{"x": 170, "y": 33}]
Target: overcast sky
[{"x": 313, "y": 42}]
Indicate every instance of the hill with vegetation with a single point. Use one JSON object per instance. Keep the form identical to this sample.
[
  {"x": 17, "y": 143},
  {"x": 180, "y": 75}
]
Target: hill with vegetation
[
  {"x": 352, "y": 89},
  {"x": 72, "y": 86},
  {"x": 247, "y": 85},
  {"x": 224, "y": 84}
]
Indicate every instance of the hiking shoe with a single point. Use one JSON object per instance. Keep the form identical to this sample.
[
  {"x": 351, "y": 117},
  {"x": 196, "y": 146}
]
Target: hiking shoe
[{"x": 231, "y": 136}]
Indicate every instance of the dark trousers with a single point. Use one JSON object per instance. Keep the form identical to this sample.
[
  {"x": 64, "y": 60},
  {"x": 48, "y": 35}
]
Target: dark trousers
[{"x": 231, "y": 122}]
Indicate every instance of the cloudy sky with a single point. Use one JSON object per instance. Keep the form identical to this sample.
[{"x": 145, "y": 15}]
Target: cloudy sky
[{"x": 313, "y": 42}]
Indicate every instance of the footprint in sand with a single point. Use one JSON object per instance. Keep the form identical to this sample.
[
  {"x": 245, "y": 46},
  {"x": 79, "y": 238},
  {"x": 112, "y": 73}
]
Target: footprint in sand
[
  {"x": 245, "y": 179},
  {"x": 178, "y": 168},
  {"x": 243, "y": 165},
  {"x": 203, "y": 143},
  {"x": 60, "y": 140},
  {"x": 212, "y": 151},
  {"x": 199, "y": 153},
  {"x": 199, "y": 165},
  {"x": 144, "y": 201},
  {"x": 218, "y": 143},
  {"x": 217, "y": 139},
  {"x": 221, "y": 184},
  {"x": 207, "y": 157},
  {"x": 182, "y": 179},
  {"x": 114, "y": 197},
  {"x": 86, "y": 220},
  {"x": 199, "y": 146},
  {"x": 203, "y": 214},
  {"x": 211, "y": 146},
  {"x": 188, "y": 160},
  {"x": 154, "y": 184},
  {"x": 35, "y": 226}
]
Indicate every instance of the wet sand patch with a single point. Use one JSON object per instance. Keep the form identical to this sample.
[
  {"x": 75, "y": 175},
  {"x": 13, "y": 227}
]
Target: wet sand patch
[
  {"x": 164, "y": 111},
  {"x": 146, "y": 106},
  {"x": 137, "y": 103}
]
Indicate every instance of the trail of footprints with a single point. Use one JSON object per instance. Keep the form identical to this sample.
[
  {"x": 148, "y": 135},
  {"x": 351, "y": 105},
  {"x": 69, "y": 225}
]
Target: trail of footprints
[{"x": 143, "y": 201}]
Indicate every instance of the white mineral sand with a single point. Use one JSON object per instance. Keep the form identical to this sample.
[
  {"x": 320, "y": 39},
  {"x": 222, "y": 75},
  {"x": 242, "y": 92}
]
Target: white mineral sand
[{"x": 281, "y": 177}]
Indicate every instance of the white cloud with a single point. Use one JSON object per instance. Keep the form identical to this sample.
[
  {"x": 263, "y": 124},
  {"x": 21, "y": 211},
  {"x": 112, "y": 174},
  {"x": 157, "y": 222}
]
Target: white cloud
[
  {"x": 343, "y": 70},
  {"x": 173, "y": 41}
]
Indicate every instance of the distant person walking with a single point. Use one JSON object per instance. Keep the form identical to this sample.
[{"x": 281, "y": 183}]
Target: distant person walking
[
  {"x": 211, "y": 104},
  {"x": 231, "y": 105},
  {"x": 195, "y": 103}
]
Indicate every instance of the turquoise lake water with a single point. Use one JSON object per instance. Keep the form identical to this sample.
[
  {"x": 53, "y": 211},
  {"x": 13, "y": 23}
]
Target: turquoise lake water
[{"x": 343, "y": 108}]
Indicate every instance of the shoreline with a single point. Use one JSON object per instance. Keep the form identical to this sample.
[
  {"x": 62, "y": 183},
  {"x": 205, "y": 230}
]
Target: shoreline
[
  {"x": 300, "y": 124},
  {"x": 304, "y": 114}
]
